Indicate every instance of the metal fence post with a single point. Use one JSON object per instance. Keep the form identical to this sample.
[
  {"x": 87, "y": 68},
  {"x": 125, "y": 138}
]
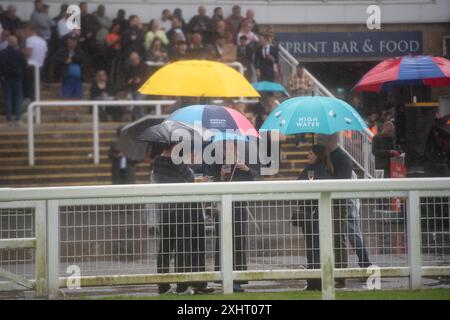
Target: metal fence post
[
  {"x": 326, "y": 246},
  {"x": 41, "y": 273},
  {"x": 366, "y": 157},
  {"x": 226, "y": 243},
  {"x": 53, "y": 247},
  {"x": 30, "y": 134},
  {"x": 96, "y": 134},
  {"x": 414, "y": 240}
]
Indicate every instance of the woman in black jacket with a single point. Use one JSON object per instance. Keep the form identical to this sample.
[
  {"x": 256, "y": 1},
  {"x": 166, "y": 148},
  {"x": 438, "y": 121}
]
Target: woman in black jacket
[{"x": 307, "y": 216}]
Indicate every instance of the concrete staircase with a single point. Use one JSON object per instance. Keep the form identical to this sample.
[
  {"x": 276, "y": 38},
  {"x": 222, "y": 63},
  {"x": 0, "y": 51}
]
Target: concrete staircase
[
  {"x": 63, "y": 150},
  {"x": 63, "y": 157}
]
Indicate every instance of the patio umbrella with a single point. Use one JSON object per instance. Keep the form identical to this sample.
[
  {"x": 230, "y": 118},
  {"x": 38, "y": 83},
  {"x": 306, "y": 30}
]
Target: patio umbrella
[
  {"x": 198, "y": 78},
  {"x": 269, "y": 86},
  {"x": 407, "y": 70},
  {"x": 128, "y": 144},
  {"x": 317, "y": 114},
  {"x": 218, "y": 118}
]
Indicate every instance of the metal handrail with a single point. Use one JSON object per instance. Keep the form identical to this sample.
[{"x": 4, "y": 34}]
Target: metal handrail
[
  {"x": 95, "y": 123},
  {"x": 319, "y": 89}
]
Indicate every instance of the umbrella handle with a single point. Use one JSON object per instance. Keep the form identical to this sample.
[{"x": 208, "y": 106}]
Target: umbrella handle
[{"x": 232, "y": 173}]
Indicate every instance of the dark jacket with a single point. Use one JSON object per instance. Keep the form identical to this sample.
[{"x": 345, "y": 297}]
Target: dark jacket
[
  {"x": 60, "y": 60},
  {"x": 342, "y": 164},
  {"x": 245, "y": 55},
  {"x": 381, "y": 149},
  {"x": 10, "y": 24},
  {"x": 97, "y": 94},
  {"x": 133, "y": 40},
  {"x": 165, "y": 171},
  {"x": 265, "y": 65},
  {"x": 12, "y": 64},
  {"x": 320, "y": 172},
  {"x": 140, "y": 71},
  {"x": 121, "y": 176}
]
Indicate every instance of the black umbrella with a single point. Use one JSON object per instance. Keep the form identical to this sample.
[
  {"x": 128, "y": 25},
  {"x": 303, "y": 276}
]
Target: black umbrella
[
  {"x": 170, "y": 132},
  {"x": 128, "y": 143}
]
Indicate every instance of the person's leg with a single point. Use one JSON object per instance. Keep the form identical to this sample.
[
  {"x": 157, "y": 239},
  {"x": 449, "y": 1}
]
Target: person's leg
[
  {"x": 356, "y": 240},
  {"x": 7, "y": 91},
  {"x": 18, "y": 98},
  {"x": 311, "y": 233},
  {"x": 339, "y": 236},
  {"x": 165, "y": 246},
  {"x": 240, "y": 216},
  {"x": 198, "y": 243}
]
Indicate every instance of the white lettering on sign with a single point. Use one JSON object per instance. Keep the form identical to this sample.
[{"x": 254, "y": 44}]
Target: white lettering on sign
[{"x": 308, "y": 122}]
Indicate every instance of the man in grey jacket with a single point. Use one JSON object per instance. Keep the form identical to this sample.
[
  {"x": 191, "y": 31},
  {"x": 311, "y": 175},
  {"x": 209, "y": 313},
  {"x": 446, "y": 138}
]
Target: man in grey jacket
[{"x": 41, "y": 19}]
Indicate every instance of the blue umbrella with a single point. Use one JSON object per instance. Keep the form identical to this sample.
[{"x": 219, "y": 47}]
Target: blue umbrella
[
  {"x": 268, "y": 86},
  {"x": 323, "y": 115}
]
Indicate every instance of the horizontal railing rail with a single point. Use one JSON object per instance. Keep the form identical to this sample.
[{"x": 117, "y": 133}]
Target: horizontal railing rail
[
  {"x": 109, "y": 231},
  {"x": 95, "y": 119}
]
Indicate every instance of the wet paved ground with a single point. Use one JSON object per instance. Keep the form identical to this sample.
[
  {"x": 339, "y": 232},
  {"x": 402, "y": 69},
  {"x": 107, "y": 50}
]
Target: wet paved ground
[{"x": 253, "y": 286}]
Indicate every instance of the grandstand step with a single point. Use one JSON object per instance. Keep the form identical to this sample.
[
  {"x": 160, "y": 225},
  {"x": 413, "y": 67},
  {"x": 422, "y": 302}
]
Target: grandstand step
[{"x": 7, "y": 171}]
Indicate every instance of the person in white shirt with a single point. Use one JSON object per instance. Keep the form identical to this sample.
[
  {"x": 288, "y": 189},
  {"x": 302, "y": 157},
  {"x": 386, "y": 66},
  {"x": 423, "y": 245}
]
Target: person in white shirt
[
  {"x": 166, "y": 20},
  {"x": 35, "y": 52},
  {"x": 35, "y": 46}
]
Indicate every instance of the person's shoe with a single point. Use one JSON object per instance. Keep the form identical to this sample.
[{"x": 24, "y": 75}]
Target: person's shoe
[
  {"x": 17, "y": 123},
  {"x": 164, "y": 289},
  {"x": 237, "y": 288},
  {"x": 187, "y": 291},
  {"x": 313, "y": 285},
  {"x": 365, "y": 264},
  {"x": 203, "y": 290}
]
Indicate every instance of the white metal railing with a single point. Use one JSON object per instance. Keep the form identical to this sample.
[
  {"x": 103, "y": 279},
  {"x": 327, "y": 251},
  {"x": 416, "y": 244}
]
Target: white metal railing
[
  {"x": 356, "y": 144},
  {"x": 95, "y": 120},
  {"x": 103, "y": 230}
]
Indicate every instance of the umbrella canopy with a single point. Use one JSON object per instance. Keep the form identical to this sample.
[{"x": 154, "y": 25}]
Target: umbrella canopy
[
  {"x": 198, "y": 78},
  {"x": 268, "y": 86},
  {"x": 407, "y": 70},
  {"x": 216, "y": 117},
  {"x": 128, "y": 143},
  {"x": 163, "y": 133},
  {"x": 324, "y": 115}
]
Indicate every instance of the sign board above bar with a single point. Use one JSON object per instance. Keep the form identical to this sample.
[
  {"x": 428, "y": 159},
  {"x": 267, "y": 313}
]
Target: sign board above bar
[{"x": 352, "y": 44}]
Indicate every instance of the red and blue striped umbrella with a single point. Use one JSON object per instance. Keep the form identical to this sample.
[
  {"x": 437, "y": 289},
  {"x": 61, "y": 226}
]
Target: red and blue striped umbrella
[
  {"x": 407, "y": 70},
  {"x": 218, "y": 118}
]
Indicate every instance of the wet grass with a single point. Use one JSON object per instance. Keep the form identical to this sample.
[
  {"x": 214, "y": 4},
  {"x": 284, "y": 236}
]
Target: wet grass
[{"x": 424, "y": 294}]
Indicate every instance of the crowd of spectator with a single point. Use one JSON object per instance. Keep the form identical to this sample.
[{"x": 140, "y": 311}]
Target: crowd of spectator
[{"x": 120, "y": 47}]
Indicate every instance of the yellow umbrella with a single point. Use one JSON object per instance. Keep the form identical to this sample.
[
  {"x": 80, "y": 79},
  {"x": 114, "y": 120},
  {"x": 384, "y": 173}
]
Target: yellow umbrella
[{"x": 198, "y": 78}]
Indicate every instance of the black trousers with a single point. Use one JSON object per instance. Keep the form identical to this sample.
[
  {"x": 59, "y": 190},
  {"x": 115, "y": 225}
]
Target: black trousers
[
  {"x": 240, "y": 231},
  {"x": 182, "y": 236}
]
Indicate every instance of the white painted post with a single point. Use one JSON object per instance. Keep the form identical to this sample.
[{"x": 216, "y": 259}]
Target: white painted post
[
  {"x": 53, "y": 247},
  {"x": 412, "y": 217},
  {"x": 158, "y": 109},
  {"x": 226, "y": 243},
  {"x": 37, "y": 91},
  {"x": 326, "y": 246},
  {"x": 96, "y": 134},
  {"x": 41, "y": 249},
  {"x": 366, "y": 157},
  {"x": 31, "y": 134}
]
